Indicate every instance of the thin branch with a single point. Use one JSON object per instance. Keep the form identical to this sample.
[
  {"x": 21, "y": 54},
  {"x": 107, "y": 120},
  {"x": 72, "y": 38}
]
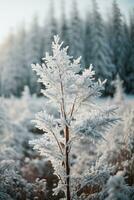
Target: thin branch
[
  {"x": 73, "y": 106},
  {"x": 57, "y": 142}
]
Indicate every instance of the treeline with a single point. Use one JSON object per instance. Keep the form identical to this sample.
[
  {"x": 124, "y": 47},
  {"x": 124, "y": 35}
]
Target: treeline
[{"x": 107, "y": 44}]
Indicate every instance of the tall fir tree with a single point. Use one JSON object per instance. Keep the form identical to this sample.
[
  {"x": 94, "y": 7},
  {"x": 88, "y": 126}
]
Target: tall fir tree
[
  {"x": 100, "y": 50},
  {"x": 130, "y": 65},
  {"x": 3, "y": 51},
  {"x": 117, "y": 38},
  {"x": 50, "y": 26},
  {"x": 64, "y": 29},
  {"x": 34, "y": 52},
  {"x": 21, "y": 58},
  {"x": 9, "y": 75},
  {"x": 87, "y": 39},
  {"x": 76, "y": 32}
]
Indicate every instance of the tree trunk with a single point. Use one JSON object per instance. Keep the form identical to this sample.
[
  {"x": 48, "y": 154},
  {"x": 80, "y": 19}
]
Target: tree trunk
[{"x": 67, "y": 165}]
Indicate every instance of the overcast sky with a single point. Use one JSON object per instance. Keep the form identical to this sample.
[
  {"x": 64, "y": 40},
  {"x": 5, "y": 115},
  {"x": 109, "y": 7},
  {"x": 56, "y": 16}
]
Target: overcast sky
[{"x": 14, "y": 12}]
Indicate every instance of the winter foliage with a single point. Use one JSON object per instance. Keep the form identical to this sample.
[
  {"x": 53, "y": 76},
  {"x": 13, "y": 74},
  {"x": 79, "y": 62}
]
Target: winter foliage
[
  {"x": 91, "y": 163},
  {"x": 74, "y": 95},
  {"x": 60, "y": 138},
  {"x": 107, "y": 44}
]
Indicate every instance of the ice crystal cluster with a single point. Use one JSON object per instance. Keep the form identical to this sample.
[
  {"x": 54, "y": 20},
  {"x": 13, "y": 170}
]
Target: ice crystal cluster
[{"x": 74, "y": 93}]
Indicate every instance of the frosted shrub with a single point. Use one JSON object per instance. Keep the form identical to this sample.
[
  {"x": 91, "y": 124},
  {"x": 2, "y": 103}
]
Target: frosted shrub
[
  {"x": 117, "y": 189},
  {"x": 74, "y": 95},
  {"x": 117, "y": 154},
  {"x": 128, "y": 128}
]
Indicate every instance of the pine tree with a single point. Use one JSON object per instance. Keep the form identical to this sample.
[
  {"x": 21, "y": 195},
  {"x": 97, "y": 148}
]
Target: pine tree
[
  {"x": 87, "y": 39},
  {"x": 130, "y": 65},
  {"x": 100, "y": 50},
  {"x": 21, "y": 58},
  {"x": 2, "y": 65},
  {"x": 34, "y": 52},
  {"x": 73, "y": 95},
  {"x": 117, "y": 38},
  {"x": 50, "y": 26},
  {"x": 127, "y": 49},
  {"x": 9, "y": 78},
  {"x": 76, "y": 32},
  {"x": 64, "y": 30}
]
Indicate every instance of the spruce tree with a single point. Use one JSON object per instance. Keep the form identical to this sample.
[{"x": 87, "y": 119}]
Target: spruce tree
[
  {"x": 87, "y": 38},
  {"x": 34, "y": 52},
  {"x": 100, "y": 50},
  {"x": 76, "y": 32},
  {"x": 127, "y": 49},
  {"x": 74, "y": 97},
  {"x": 9, "y": 73},
  {"x": 64, "y": 29},
  {"x": 130, "y": 65},
  {"x": 50, "y": 26},
  {"x": 117, "y": 38},
  {"x": 21, "y": 58}
]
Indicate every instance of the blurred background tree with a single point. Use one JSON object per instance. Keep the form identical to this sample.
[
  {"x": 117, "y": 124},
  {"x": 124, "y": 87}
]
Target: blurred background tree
[{"x": 107, "y": 44}]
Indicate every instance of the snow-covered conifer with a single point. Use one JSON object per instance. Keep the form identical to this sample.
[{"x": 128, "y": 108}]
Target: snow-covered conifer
[
  {"x": 34, "y": 52},
  {"x": 87, "y": 38},
  {"x": 117, "y": 38},
  {"x": 50, "y": 27},
  {"x": 76, "y": 32},
  {"x": 9, "y": 83},
  {"x": 129, "y": 70},
  {"x": 64, "y": 29},
  {"x": 74, "y": 96},
  {"x": 21, "y": 63},
  {"x": 100, "y": 50}
]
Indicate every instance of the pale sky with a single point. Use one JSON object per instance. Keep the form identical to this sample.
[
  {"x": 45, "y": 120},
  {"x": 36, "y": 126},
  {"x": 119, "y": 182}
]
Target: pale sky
[{"x": 14, "y": 12}]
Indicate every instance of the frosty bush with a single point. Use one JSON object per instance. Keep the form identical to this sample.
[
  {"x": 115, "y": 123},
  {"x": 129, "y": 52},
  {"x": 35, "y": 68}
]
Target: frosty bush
[
  {"x": 117, "y": 189},
  {"x": 74, "y": 95}
]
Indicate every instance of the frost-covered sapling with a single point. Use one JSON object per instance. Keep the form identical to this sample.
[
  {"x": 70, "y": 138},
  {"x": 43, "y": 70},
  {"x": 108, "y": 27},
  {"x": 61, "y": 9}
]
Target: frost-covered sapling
[{"x": 74, "y": 96}]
